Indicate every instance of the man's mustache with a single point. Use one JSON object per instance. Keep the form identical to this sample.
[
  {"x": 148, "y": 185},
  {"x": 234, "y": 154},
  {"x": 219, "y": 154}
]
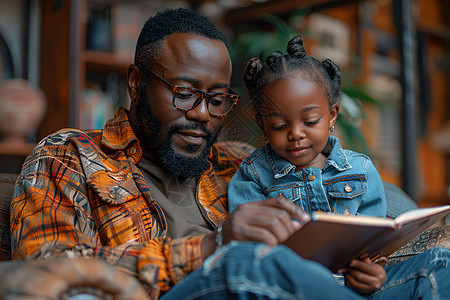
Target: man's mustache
[{"x": 191, "y": 126}]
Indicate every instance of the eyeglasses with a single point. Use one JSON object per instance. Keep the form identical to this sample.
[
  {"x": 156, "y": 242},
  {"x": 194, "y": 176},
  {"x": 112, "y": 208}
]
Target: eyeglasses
[{"x": 185, "y": 99}]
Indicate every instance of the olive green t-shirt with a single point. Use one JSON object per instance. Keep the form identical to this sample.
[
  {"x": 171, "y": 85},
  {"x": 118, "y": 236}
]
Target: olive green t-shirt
[{"x": 176, "y": 198}]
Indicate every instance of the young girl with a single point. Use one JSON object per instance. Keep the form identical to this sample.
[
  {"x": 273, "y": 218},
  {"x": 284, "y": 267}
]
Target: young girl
[{"x": 296, "y": 99}]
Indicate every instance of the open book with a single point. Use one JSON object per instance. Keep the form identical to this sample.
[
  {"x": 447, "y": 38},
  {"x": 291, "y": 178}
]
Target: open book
[{"x": 334, "y": 240}]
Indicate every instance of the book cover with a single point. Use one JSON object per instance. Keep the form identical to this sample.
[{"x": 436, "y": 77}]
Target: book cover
[{"x": 334, "y": 240}]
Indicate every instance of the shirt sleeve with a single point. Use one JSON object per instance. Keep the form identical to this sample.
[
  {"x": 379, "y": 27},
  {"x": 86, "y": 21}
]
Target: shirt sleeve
[
  {"x": 52, "y": 217},
  {"x": 244, "y": 187}
]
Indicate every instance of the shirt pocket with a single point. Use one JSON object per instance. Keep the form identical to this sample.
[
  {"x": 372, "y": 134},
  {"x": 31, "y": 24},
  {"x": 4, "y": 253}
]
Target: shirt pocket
[
  {"x": 114, "y": 187},
  {"x": 117, "y": 208},
  {"x": 345, "y": 193},
  {"x": 289, "y": 191}
]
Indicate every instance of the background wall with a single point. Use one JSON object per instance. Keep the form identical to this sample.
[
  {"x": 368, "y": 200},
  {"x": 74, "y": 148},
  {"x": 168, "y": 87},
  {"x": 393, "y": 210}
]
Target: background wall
[
  {"x": 11, "y": 28},
  {"x": 20, "y": 27}
]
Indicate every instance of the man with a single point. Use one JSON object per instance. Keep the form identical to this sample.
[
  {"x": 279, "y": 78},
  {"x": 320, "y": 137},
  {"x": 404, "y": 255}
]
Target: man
[
  {"x": 148, "y": 194},
  {"x": 104, "y": 194}
]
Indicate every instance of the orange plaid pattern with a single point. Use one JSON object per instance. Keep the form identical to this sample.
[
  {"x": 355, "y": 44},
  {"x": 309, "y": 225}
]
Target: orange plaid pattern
[{"x": 80, "y": 193}]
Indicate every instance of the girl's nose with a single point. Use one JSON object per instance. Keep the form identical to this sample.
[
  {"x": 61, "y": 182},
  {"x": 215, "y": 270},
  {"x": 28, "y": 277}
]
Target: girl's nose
[{"x": 296, "y": 133}]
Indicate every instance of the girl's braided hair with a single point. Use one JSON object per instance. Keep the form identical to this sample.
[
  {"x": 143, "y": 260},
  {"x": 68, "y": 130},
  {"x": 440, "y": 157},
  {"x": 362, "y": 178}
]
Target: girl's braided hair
[{"x": 280, "y": 66}]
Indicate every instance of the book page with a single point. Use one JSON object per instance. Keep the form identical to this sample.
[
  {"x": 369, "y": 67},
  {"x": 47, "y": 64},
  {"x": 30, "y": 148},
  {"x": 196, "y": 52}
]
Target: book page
[
  {"x": 333, "y": 240},
  {"x": 355, "y": 220},
  {"x": 420, "y": 213}
]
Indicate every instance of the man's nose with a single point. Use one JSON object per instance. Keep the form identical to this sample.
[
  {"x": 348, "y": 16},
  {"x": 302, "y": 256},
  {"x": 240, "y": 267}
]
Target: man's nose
[{"x": 199, "y": 113}]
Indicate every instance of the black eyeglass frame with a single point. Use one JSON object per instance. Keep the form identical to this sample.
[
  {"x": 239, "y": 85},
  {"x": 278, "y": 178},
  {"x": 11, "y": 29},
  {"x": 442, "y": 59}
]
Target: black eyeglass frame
[{"x": 203, "y": 95}]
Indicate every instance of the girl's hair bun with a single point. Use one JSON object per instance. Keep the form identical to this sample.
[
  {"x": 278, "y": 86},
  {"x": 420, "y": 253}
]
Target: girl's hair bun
[
  {"x": 275, "y": 61},
  {"x": 252, "y": 68},
  {"x": 295, "y": 47}
]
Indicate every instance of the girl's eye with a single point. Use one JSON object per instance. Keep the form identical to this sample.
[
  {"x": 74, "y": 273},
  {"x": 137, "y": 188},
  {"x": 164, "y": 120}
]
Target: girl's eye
[
  {"x": 310, "y": 123},
  {"x": 278, "y": 127}
]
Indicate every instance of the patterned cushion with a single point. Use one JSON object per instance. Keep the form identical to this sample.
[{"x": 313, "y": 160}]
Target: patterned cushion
[
  {"x": 435, "y": 237},
  {"x": 6, "y": 191}
]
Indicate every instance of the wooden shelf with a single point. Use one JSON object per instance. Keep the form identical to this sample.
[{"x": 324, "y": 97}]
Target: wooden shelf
[
  {"x": 106, "y": 61},
  {"x": 258, "y": 10},
  {"x": 18, "y": 149},
  {"x": 435, "y": 30}
]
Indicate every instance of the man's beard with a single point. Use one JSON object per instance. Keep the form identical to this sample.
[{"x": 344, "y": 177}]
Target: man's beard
[{"x": 176, "y": 164}]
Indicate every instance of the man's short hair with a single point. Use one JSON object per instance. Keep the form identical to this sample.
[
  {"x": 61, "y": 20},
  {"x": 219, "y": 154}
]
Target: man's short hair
[{"x": 163, "y": 24}]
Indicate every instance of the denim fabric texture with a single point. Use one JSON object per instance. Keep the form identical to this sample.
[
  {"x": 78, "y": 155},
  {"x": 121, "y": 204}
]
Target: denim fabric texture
[
  {"x": 423, "y": 276},
  {"x": 349, "y": 183},
  {"x": 257, "y": 271}
]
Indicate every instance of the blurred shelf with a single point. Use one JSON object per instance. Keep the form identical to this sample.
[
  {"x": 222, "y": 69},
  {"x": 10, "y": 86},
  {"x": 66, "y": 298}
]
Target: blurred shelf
[
  {"x": 106, "y": 61},
  {"x": 438, "y": 31},
  {"x": 18, "y": 149},
  {"x": 12, "y": 156},
  {"x": 257, "y": 10}
]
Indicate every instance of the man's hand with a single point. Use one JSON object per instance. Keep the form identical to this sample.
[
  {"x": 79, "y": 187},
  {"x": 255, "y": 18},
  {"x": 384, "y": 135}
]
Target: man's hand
[
  {"x": 364, "y": 276},
  {"x": 269, "y": 221},
  {"x": 59, "y": 278}
]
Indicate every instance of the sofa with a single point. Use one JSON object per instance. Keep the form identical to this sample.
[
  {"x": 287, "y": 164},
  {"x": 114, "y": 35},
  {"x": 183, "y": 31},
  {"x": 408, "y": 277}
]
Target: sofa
[
  {"x": 397, "y": 202},
  {"x": 6, "y": 190}
]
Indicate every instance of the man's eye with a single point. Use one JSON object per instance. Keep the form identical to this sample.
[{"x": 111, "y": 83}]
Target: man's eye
[
  {"x": 185, "y": 95},
  {"x": 216, "y": 101},
  {"x": 310, "y": 123},
  {"x": 278, "y": 127}
]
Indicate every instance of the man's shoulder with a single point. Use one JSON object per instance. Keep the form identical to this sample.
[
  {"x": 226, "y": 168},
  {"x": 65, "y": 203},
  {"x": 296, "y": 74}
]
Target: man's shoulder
[
  {"x": 68, "y": 142},
  {"x": 66, "y": 136}
]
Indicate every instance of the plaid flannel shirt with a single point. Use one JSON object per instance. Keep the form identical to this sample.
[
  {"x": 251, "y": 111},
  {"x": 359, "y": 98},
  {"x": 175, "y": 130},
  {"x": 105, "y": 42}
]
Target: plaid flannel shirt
[{"x": 80, "y": 193}]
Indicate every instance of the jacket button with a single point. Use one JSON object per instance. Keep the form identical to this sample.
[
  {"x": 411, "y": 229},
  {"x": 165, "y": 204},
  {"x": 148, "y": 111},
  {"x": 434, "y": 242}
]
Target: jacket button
[
  {"x": 346, "y": 212},
  {"x": 311, "y": 177},
  {"x": 133, "y": 151},
  {"x": 347, "y": 188}
]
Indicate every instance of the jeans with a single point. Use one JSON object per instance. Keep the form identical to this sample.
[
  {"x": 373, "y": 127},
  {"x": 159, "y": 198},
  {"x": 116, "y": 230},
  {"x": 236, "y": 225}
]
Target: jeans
[
  {"x": 423, "y": 276},
  {"x": 256, "y": 271}
]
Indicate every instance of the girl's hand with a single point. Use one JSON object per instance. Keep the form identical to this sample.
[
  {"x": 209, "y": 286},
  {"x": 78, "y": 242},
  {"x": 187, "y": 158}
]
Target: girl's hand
[{"x": 364, "y": 276}]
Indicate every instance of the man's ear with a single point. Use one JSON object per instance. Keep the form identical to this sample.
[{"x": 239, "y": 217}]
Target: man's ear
[
  {"x": 134, "y": 81},
  {"x": 334, "y": 112}
]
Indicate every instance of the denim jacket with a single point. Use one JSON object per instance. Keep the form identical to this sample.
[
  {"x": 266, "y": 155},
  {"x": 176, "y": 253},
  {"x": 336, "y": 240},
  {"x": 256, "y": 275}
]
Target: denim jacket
[{"x": 348, "y": 183}]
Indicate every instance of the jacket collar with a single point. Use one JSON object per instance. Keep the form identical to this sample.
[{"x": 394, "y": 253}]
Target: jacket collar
[
  {"x": 118, "y": 135},
  {"x": 336, "y": 158},
  {"x": 336, "y": 155}
]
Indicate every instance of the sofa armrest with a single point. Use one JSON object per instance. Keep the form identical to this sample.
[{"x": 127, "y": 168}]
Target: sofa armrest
[{"x": 7, "y": 182}]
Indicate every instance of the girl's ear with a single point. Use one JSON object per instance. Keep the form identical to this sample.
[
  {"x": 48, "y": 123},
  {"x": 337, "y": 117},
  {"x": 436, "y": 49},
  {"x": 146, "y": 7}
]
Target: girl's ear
[
  {"x": 334, "y": 112},
  {"x": 133, "y": 83}
]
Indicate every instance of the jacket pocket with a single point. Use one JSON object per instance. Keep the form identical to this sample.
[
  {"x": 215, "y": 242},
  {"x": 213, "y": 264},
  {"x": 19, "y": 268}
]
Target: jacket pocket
[
  {"x": 344, "y": 193},
  {"x": 289, "y": 191},
  {"x": 118, "y": 208},
  {"x": 114, "y": 187}
]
